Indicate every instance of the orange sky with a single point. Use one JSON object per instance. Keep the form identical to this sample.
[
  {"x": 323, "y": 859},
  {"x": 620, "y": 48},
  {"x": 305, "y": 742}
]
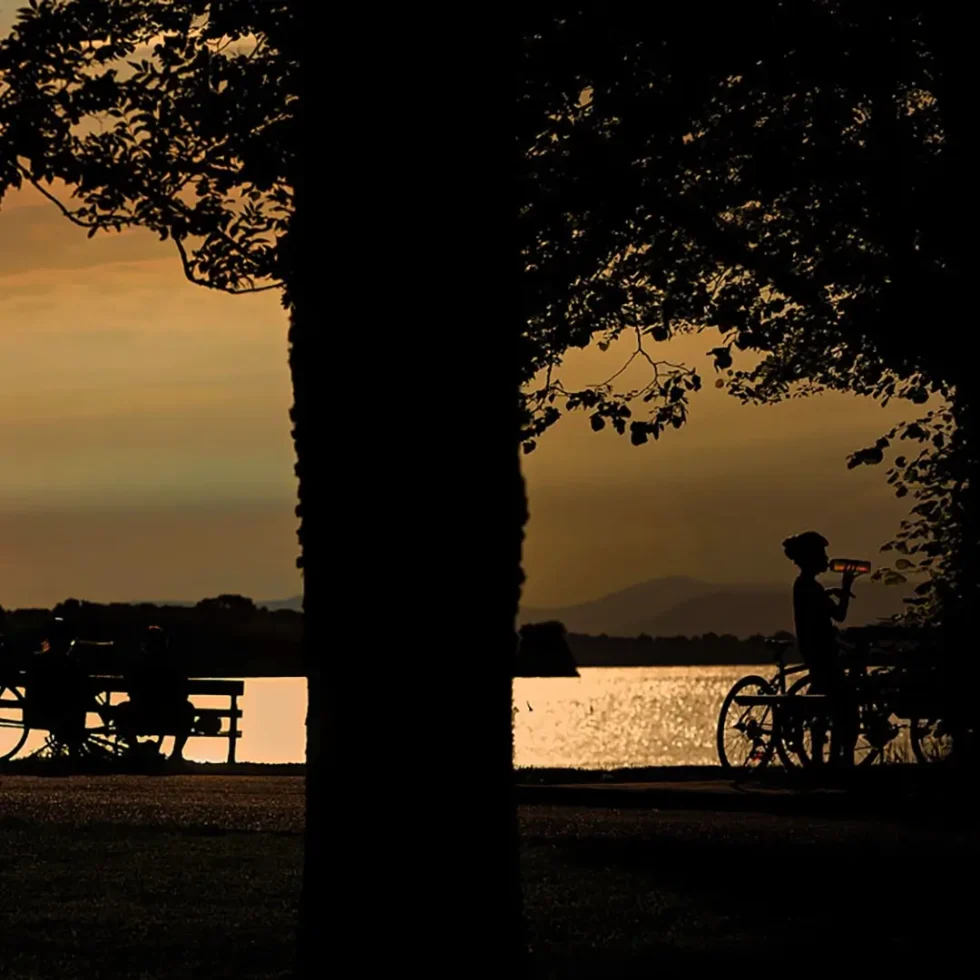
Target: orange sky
[
  {"x": 711, "y": 500},
  {"x": 145, "y": 449},
  {"x": 144, "y": 436}
]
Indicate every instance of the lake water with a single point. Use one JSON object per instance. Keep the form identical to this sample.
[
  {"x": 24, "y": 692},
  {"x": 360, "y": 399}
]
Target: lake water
[
  {"x": 610, "y": 717},
  {"x": 613, "y": 717}
]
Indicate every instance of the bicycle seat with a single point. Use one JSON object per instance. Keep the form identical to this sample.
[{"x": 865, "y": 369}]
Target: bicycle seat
[
  {"x": 778, "y": 644},
  {"x": 778, "y": 648}
]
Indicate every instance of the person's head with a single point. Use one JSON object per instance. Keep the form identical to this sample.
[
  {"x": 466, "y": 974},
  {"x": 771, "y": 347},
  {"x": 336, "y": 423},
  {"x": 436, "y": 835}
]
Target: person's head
[
  {"x": 59, "y": 638},
  {"x": 808, "y": 551},
  {"x": 154, "y": 641}
]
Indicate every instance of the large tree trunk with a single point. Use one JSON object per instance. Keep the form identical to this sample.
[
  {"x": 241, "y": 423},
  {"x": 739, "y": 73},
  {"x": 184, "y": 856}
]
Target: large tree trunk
[
  {"x": 412, "y": 508},
  {"x": 321, "y": 715},
  {"x": 518, "y": 517},
  {"x": 410, "y": 872},
  {"x": 307, "y": 367},
  {"x": 954, "y": 55},
  {"x": 963, "y": 597}
]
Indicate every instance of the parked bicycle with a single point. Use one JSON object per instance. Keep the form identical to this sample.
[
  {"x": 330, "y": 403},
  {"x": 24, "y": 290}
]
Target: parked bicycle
[
  {"x": 768, "y": 718},
  {"x": 747, "y": 725}
]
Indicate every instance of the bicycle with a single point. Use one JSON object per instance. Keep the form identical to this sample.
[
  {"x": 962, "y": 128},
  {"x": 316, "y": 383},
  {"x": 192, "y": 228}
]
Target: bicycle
[
  {"x": 751, "y": 737},
  {"x": 764, "y": 717}
]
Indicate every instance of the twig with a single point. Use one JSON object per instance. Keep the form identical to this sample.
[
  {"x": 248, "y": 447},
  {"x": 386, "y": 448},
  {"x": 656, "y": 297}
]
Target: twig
[
  {"x": 189, "y": 274},
  {"x": 70, "y": 215}
]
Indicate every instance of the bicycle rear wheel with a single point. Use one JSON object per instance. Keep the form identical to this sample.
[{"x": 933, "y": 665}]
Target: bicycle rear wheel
[
  {"x": 808, "y": 740},
  {"x": 745, "y": 733}
]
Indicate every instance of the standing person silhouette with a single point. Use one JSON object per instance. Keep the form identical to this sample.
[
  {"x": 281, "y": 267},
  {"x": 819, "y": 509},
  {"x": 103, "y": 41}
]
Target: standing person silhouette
[{"x": 815, "y": 611}]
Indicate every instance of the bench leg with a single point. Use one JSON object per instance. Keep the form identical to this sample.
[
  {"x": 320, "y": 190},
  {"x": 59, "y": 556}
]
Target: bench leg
[{"x": 233, "y": 730}]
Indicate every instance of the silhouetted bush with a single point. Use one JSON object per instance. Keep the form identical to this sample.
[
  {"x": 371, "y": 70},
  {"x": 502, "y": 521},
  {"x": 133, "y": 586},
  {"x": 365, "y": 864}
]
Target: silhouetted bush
[{"x": 543, "y": 651}]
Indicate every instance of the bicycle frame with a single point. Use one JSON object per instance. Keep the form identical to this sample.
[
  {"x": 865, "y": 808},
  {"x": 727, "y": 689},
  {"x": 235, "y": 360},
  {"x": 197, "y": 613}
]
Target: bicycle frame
[{"x": 778, "y": 680}]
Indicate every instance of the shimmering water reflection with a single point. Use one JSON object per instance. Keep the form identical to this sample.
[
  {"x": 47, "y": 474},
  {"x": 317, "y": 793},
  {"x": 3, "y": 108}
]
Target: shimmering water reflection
[{"x": 614, "y": 717}]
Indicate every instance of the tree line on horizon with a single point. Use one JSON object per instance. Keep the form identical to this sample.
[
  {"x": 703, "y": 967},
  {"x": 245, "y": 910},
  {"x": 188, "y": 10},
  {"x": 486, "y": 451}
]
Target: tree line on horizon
[
  {"x": 549, "y": 650},
  {"x": 225, "y": 634}
]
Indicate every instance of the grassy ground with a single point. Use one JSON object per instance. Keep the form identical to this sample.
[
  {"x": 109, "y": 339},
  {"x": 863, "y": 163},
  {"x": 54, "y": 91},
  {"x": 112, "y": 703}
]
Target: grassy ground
[
  {"x": 623, "y": 893},
  {"x": 190, "y": 876},
  {"x": 178, "y": 877}
]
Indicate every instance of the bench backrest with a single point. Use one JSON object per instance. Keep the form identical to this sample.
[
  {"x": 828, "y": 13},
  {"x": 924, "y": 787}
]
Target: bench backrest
[{"x": 195, "y": 685}]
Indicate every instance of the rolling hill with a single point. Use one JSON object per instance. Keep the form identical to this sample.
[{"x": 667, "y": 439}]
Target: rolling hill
[
  {"x": 295, "y": 603},
  {"x": 685, "y": 606}
]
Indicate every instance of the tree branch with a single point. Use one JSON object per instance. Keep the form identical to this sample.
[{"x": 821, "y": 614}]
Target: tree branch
[
  {"x": 611, "y": 379},
  {"x": 189, "y": 275},
  {"x": 70, "y": 215},
  {"x": 185, "y": 261}
]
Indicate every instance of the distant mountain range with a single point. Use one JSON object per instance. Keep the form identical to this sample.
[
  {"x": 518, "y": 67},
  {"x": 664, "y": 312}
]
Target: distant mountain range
[
  {"x": 681, "y": 606},
  {"x": 294, "y": 602}
]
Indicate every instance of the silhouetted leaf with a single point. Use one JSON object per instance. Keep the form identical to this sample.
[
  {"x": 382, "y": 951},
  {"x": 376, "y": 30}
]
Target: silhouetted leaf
[{"x": 722, "y": 356}]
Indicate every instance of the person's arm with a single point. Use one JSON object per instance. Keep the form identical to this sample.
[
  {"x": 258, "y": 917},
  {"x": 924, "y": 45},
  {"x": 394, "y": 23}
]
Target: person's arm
[{"x": 838, "y": 610}]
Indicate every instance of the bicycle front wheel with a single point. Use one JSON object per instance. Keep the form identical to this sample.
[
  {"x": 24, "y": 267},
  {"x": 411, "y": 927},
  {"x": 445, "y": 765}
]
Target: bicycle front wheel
[{"x": 745, "y": 732}]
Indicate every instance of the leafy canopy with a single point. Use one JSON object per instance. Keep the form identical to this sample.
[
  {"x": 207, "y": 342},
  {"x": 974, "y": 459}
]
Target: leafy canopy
[
  {"x": 786, "y": 182},
  {"x": 177, "y": 117}
]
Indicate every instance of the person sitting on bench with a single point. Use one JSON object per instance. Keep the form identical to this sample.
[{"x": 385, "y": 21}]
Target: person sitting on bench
[
  {"x": 57, "y": 690},
  {"x": 158, "y": 700}
]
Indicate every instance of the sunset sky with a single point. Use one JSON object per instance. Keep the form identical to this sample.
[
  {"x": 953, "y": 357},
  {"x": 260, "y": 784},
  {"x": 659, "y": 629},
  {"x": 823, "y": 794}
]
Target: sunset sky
[{"x": 145, "y": 449}]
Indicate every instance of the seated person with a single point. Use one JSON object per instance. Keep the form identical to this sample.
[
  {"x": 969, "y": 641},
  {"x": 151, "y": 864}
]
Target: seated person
[
  {"x": 158, "y": 701},
  {"x": 57, "y": 697}
]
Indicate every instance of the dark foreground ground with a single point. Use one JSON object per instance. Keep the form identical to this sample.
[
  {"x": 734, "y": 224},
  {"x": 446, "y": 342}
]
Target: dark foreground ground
[
  {"x": 192, "y": 876},
  {"x": 176, "y": 877}
]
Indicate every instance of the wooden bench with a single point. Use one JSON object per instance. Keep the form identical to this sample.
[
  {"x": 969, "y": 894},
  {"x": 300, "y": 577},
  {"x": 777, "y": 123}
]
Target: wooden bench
[{"x": 197, "y": 687}]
